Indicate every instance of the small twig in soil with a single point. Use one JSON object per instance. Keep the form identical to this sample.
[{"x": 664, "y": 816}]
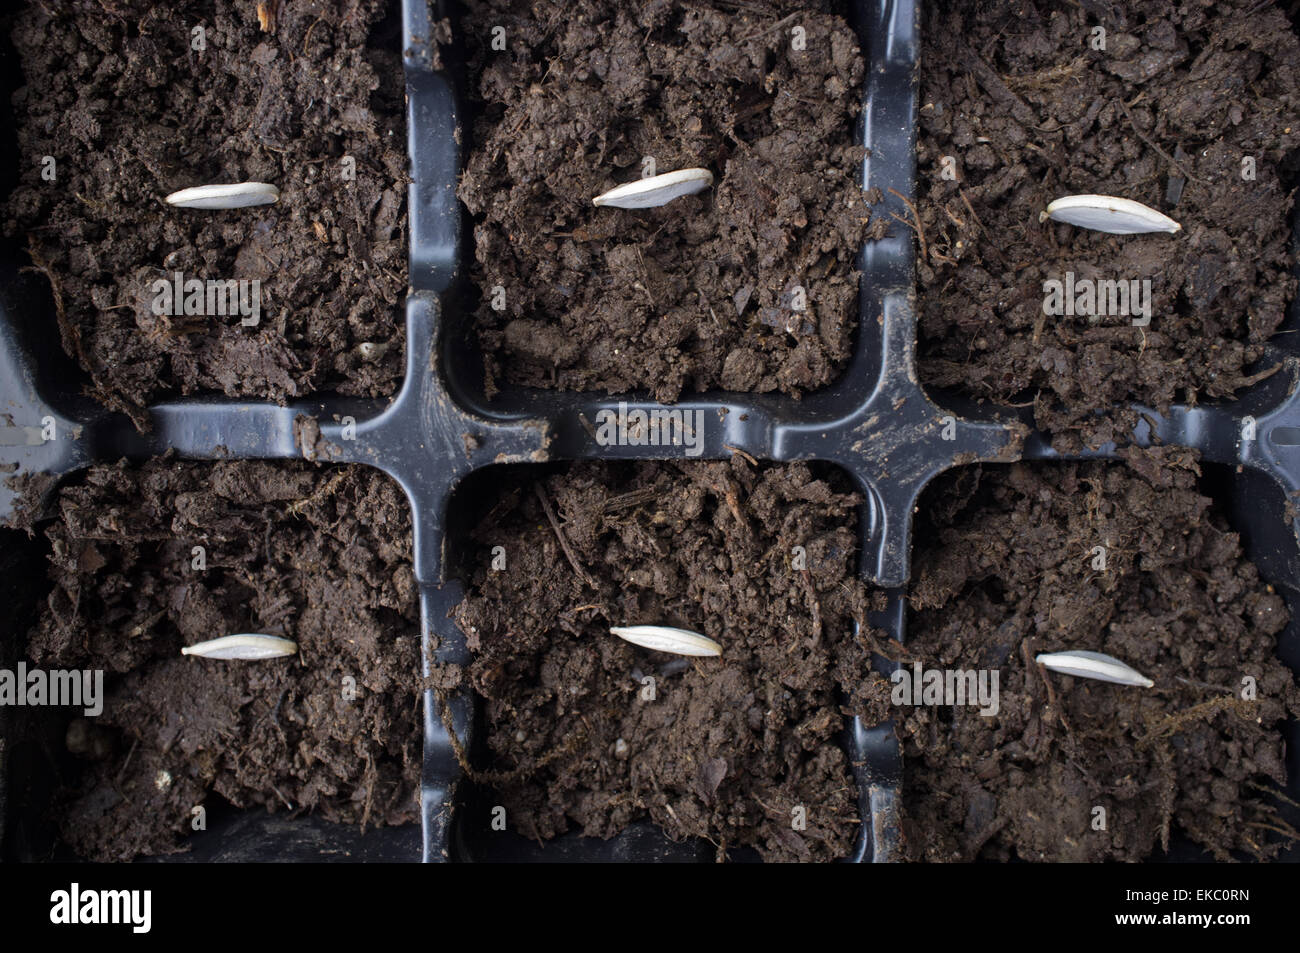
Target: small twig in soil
[
  {"x": 740, "y": 453},
  {"x": 1032, "y": 666},
  {"x": 710, "y": 307},
  {"x": 1174, "y": 187},
  {"x": 1168, "y": 790},
  {"x": 1039, "y": 324},
  {"x": 1000, "y": 92},
  {"x": 1206, "y": 685},
  {"x": 1049, "y": 77},
  {"x": 1262, "y": 375},
  {"x": 498, "y": 777},
  {"x": 992, "y": 245},
  {"x": 489, "y": 522},
  {"x": 920, "y": 231},
  {"x": 733, "y": 503},
  {"x": 1205, "y": 710},
  {"x": 634, "y": 498},
  {"x": 1287, "y": 831},
  {"x": 1149, "y": 141},
  {"x": 646, "y": 274},
  {"x": 296, "y": 508},
  {"x": 1273, "y": 791},
  {"x": 559, "y": 534},
  {"x": 307, "y": 39},
  {"x": 444, "y": 711},
  {"x": 127, "y": 763},
  {"x": 1036, "y": 666},
  {"x": 775, "y": 26},
  {"x": 1256, "y": 8}
]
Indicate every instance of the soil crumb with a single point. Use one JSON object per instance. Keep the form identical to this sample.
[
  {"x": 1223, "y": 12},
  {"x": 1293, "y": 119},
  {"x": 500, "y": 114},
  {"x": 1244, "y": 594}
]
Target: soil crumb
[
  {"x": 726, "y": 748},
  {"x": 319, "y": 556},
  {"x": 1008, "y": 568},
  {"x": 704, "y": 292}
]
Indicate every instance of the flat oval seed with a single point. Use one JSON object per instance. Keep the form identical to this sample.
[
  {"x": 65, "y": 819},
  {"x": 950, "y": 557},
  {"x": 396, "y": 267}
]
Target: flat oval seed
[
  {"x": 657, "y": 190},
  {"x": 243, "y": 646},
  {"x": 664, "y": 638},
  {"x": 1106, "y": 213},
  {"x": 240, "y": 195},
  {"x": 1104, "y": 668}
]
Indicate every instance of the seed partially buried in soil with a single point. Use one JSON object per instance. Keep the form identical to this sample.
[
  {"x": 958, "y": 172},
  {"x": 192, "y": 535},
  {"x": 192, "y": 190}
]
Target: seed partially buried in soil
[
  {"x": 1104, "y": 668},
  {"x": 1106, "y": 213},
  {"x": 656, "y": 190},
  {"x": 238, "y": 195},
  {"x": 244, "y": 646},
  {"x": 663, "y": 638}
]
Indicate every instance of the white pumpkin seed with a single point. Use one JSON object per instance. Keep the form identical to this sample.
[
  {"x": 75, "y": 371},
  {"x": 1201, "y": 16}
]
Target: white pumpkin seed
[
  {"x": 1104, "y": 668},
  {"x": 243, "y": 646},
  {"x": 1106, "y": 213},
  {"x": 240, "y": 195},
  {"x": 664, "y": 638},
  {"x": 657, "y": 190}
]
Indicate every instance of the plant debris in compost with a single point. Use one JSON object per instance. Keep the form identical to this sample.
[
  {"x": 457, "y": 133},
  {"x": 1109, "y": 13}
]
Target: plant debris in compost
[
  {"x": 131, "y": 112},
  {"x": 1022, "y": 109},
  {"x": 1007, "y": 569},
  {"x": 700, "y": 293},
  {"x": 319, "y": 556},
  {"x": 728, "y": 747}
]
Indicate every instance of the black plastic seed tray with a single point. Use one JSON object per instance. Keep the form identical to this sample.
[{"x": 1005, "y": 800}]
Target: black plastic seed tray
[{"x": 875, "y": 422}]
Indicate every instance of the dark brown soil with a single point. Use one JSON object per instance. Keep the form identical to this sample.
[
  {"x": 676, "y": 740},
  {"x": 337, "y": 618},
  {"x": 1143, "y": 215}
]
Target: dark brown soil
[
  {"x": 1013, "y": 91},
  {"x": 320, "y": 556},
  {"x": 131, "y": 113},
  {"x": 729, "y": 746},
  {"x": 698, "y": 293},
  {"x": 1005, "y": 572}
]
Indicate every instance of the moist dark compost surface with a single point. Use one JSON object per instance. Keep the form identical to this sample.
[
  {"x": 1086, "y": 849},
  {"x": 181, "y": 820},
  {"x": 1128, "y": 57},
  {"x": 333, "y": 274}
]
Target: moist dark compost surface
[
  {"x": 701, "y": 292},
  {"x": 1005, "y": 571},
  {"x": 1014, "y": 93},
  {"x": 319, "y": 556},
  {"x": 130, "y": 112},
  {"x": 728, "y": 747}
]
